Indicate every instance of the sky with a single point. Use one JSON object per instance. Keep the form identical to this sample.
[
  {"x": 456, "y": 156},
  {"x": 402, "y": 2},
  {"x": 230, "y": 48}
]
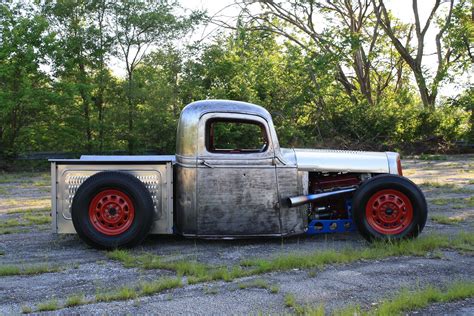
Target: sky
[{"x": 402, "y": 9}]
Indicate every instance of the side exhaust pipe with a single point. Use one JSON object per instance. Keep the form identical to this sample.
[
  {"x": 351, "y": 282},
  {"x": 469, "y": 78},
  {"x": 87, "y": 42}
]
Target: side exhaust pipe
[{"x": 305, "y": 199}]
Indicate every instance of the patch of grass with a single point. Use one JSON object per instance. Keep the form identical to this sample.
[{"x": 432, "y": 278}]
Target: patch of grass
[
  {"x": 438, "y": 185},
  {"x": 143, "y": 289},
  {"x": 197, "y": 272},
  {"x": 13, "y": 222},
  {"x": 75, "y": 300},
  {"x": 8, "y": 231},
  {"x": 260, "y": 284},
  {"x": 441, "y": 219},
  {"x": 471, "y": 182},
  {"x": 150, "y": 288},
  {"x": 290, "y": 300},
  {"x": 274, "y": 289},
  {"x": 432, "y": 157},
  {"x": 378, "y": 250},
  {"x": 124, "y": 256},
  {"x": 408, "y": 300},
  {"x": 257, "y": 283},
  {"x": 37, "y": 219},
  {"x": 8, "y": 270},
  {"x": 405, "y": 301},
  {"x": 440, "y": 201},
  {"x": 446, "y": 187},
  {"x": 50, "y": 305},
  {"x": 122, "y": 294},
  {"x": 25, "y": 309}
]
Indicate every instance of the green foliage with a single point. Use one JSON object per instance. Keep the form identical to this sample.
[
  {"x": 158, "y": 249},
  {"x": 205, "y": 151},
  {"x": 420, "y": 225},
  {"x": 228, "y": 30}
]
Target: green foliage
[{"x": 59, "y": 93}]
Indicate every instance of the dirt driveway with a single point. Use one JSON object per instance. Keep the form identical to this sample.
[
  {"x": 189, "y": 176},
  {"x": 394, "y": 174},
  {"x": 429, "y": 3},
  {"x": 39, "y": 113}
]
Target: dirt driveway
[{"x": 167, "y": 275}]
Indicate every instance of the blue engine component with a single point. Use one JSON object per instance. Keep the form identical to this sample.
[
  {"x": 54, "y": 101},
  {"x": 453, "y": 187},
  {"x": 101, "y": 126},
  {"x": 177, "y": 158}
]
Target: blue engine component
[{"x": 324, "y": 226}]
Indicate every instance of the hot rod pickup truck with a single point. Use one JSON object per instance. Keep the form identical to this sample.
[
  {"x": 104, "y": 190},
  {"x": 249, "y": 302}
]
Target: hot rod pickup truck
[{"x": 230, "y": 179}]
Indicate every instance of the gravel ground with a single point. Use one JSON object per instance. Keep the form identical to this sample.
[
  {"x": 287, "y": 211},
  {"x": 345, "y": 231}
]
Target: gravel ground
[{"x": 88, "y": 271}]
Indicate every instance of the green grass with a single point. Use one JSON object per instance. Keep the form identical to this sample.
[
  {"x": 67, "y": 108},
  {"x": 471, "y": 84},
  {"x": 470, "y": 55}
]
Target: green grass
[
  {"x": 143, "y": 289},
  {"x": 37, "y": 219},
  {"x": 408, "y": 300},
  {"x": 446, "y": 187},
  {"x": 441, "y": 219},
  {"x": 13, "y": 222},
  {"x": 8, "y": 270},
  {"x": 318, "y": 259},
  {"x": 153, "y": 287},
  {"x": 432, "y": 157},
  {"x": 257, "y": 283},
  {"x": 197, "y": 272},
  {"x": 50, "y": 305},
  {"x": 122, "y": 294},
  {"x": 75, "y": 300},
  {"x": 405, "y": 301}
]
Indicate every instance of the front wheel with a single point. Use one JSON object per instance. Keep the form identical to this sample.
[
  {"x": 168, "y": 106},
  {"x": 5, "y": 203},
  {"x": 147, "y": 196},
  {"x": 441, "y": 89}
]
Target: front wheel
[{"x": 389, "y": 207}]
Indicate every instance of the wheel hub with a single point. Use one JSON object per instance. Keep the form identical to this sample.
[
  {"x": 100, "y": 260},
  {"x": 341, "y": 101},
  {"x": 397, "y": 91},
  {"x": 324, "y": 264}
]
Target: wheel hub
[
  {"x": 111, "y": 212},
  {"x": 389, "y": 212}
]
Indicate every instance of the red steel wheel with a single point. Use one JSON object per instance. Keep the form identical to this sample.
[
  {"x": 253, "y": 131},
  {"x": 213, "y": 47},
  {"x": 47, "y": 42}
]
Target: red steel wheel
[
  {"x": 111, "y": 212},
  {"x": 389, "y": 212}
]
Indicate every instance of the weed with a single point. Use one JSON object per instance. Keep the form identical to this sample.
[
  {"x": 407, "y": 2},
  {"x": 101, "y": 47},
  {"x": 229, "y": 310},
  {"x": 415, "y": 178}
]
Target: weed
[
  {"x": 440, "y": 201},
  {"x": 50, "y": 305},
  {"x": 257, "y": 283},
  {"x": 150, "y": 288},
  {"x": 13, "y": 222},
  {"x": 25, "y": 309},
  {"x": 408, "y": 300},
  {"x": 441, "y": 219},
  {"x": 122, "y": 294},
  {"x": 378, "y": 250},
  {"x": 290, "y": 300},
  {"x": 438, "y": 185},
  {"x": 8, "y": 231},
  {"x": 75, "y": 300},
  {"x": 432, "y": 157},
  {"x": 274, "y": 289},
  {"x": 7, "y": 270},
  {"x": 37, "y": 219}
]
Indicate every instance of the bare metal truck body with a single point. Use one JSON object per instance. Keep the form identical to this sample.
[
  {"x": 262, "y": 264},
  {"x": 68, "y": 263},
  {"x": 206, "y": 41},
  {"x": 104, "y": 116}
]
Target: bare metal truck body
[{"x": 206, "y": 191}]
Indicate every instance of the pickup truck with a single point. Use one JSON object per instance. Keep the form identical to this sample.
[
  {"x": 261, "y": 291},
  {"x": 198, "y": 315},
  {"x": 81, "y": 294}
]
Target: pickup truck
[{"x": 230, "y": 178}]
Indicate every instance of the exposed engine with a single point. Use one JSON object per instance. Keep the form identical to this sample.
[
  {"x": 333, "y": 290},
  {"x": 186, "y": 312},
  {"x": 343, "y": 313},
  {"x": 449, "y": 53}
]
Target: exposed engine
[{"x": 334, "y": 207}]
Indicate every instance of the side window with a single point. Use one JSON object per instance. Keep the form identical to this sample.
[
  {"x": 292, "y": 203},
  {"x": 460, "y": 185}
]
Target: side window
[{"x": 235, "y": 136}]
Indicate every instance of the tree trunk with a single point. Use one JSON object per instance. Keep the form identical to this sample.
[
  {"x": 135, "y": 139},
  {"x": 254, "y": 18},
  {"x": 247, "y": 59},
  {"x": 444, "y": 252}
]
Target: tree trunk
[{"x": 131, "y": 113}]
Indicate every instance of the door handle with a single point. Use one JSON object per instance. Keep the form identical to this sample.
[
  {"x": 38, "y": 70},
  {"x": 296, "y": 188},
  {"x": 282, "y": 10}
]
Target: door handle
[{"x": 206, "y": 164}]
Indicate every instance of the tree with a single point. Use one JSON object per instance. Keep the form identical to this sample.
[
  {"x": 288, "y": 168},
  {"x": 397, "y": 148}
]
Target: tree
[
  {"x": 84, "y": 44},
  {"x": 24, "y": 88},
  {"x": 446, "y": 54},
  {"x": 140, "y": 25}
]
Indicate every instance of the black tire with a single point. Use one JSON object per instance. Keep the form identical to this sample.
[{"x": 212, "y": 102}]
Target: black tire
[
  {"x": 138, "y": 225},
  {"x": 375, "y": 191}
]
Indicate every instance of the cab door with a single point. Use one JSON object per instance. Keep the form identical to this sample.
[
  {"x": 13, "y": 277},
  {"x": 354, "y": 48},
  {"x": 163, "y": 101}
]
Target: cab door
[{"x": 236, "y": 177}]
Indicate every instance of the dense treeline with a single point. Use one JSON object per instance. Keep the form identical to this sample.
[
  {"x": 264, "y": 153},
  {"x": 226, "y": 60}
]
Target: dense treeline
[{"x": 344, "y": 74}]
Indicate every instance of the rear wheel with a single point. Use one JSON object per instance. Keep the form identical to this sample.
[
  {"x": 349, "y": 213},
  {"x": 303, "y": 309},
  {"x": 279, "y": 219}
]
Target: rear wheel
[
  {"x": 112, "y": 209},
  {"x": 389, "y": 207}
]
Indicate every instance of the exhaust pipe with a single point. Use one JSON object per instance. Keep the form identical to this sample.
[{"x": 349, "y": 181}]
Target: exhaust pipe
[{"x": 304, "y": 199}]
